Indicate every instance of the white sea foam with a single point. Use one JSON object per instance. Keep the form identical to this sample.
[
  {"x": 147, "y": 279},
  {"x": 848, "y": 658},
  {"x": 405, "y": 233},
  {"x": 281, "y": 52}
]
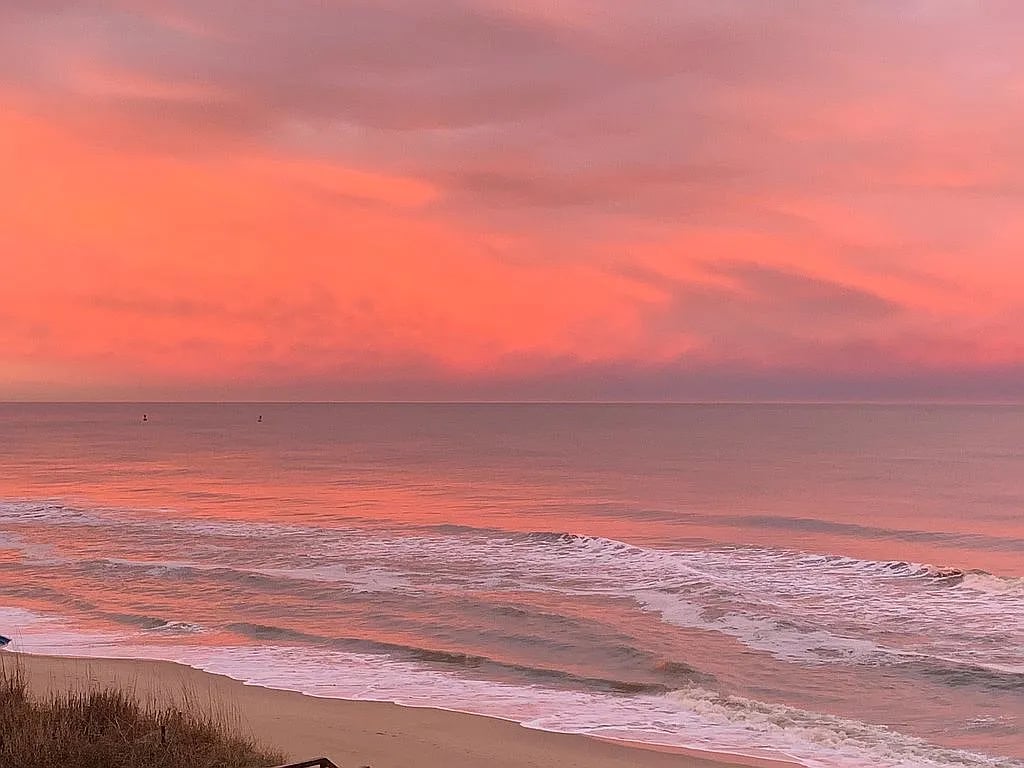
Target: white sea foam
[
  {"x": 694, "y": 718},
  {"x": 357, "y": 579},
  {"x": 795, "y": 606},
  {"x": 177, "y": 628},
  {"x": 987, "y": 583}
]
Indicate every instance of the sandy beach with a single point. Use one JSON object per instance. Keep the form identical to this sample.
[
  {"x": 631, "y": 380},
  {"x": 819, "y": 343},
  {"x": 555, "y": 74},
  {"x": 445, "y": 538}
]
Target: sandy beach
[{"x": 354, "y": 733}]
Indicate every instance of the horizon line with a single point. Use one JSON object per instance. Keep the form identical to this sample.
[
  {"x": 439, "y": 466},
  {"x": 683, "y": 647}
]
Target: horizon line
[{"x": 949, "y": 402}]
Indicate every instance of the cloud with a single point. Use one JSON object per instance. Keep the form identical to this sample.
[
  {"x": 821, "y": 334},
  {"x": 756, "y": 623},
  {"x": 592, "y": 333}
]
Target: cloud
[
  {"x": 477, "y": 191},
  {"x": 760, "y": 315}
]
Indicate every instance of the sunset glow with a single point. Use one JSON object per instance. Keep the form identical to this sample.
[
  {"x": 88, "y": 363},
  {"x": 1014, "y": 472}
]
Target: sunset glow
[{"x": 576, "y": 199}]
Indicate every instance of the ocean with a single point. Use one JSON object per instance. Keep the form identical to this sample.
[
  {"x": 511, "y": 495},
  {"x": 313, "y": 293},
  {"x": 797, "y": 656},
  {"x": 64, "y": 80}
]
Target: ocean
[{"x": 840, "y": 585}]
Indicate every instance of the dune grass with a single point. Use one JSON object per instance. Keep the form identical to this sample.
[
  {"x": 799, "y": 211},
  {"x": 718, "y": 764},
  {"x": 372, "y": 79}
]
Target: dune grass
[{"x": 112, "y": 729}]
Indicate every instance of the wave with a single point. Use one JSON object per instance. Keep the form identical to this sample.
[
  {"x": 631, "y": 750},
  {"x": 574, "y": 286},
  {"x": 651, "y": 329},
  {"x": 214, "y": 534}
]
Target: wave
[
  {"x": 817, "y": 525},
  {"x": 132, "y": 620},
  {"x": 794, "y": 606},
  {"x": 55, "y": 511},
  {"x": 771, "y": 631},
  {"x": 761, "y": 522},
  {"x": 177, "y": 628},
  {"x": 677, "y": 672},
  {"x": 989, "y": 583},
  {"x": 958, "y": 673},
  {"x": 949, "y": 575},
  {"x": 817, "y": 739},
  {"x": 294, "y": 581},
  {"x": 691, "y": 716},
  {"x": 819, "y": 609},
  {"x": 945, "y": 574},
  {"x": 380, "y": 580},
  {"x": 688, "y": 715}
]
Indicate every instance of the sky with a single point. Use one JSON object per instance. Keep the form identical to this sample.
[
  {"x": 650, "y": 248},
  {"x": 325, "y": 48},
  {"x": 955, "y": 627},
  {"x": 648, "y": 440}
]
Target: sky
[{"x": 498, "y": 200}]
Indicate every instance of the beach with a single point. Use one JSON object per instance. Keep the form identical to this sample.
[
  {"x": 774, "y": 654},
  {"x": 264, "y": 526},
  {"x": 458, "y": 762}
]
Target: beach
[{"x": 352, "y": 733}]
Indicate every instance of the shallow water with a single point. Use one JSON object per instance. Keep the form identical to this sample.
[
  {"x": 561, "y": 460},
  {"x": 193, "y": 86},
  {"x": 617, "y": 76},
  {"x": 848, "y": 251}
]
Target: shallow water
[{"x": 843, "y": 585}]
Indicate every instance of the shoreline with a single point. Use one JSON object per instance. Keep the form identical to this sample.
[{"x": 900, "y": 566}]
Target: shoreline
[{"x": 361, "y": 733}]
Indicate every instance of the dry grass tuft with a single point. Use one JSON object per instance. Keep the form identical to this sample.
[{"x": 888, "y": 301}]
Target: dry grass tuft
[{"x": 111, "y": 729}]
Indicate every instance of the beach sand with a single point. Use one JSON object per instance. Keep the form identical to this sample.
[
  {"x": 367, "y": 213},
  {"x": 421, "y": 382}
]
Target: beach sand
[{"x": 356, "y": 733}]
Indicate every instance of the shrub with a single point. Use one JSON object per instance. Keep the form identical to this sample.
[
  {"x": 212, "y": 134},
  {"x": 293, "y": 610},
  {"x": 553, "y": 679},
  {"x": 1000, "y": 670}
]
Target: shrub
[{"x": 111, "y": 729}]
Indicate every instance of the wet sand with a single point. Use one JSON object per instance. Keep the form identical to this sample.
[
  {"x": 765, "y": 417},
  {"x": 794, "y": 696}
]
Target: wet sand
[{"x": 357, "y": 733}]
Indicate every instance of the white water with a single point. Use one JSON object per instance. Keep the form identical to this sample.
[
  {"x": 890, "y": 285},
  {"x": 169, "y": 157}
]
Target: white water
[{"x": 695, "y": 718}]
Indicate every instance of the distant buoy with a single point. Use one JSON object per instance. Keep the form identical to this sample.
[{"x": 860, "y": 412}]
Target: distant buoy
[
  {"x": 259, "y": 419},
  {"x": 145, "y": 417}
]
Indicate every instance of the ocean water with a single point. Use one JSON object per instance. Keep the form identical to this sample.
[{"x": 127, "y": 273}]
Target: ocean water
[{"x": 836, "y": 585}]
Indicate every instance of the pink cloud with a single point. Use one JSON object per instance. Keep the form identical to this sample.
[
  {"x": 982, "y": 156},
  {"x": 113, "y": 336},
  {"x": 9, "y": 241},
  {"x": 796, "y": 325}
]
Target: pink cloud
[{"x": 467, "y": 194}]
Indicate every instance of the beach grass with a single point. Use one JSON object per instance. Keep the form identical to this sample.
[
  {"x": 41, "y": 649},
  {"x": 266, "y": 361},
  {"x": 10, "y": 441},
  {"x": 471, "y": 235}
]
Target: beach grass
[{"x": 111, "y": 728}]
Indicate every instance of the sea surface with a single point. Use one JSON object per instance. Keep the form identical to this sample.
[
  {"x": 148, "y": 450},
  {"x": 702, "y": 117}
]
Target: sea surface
[{"x": 838, "y": 585}]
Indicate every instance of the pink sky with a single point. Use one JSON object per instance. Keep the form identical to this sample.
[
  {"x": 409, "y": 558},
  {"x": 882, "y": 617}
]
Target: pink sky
[{"x": 464, "y": 199}]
